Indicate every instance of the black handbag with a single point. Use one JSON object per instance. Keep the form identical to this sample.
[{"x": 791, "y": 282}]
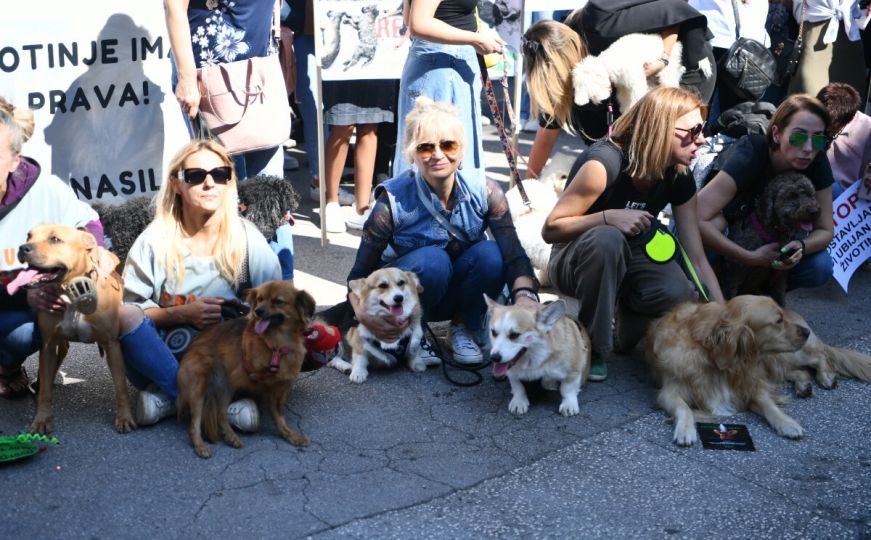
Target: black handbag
[
  {"x": 786, "y": 50},
  {"x": 748, "y": 68}
]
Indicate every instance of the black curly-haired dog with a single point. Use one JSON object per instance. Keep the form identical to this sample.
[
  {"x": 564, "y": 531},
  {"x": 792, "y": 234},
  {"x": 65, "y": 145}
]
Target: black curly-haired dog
[
  {"x": 265, "y": 201},
  {"x": 784, "y": 211}
]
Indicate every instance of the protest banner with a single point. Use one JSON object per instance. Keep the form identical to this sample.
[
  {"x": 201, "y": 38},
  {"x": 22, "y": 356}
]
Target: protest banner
[
  {"x": 851, "y": 245},
  {"x": 97, "y": 75}
]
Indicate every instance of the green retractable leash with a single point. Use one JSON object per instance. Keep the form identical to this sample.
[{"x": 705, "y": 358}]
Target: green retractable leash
[
  {"x": 663, "y": 246},
  {"x": 23, "y": 446}
]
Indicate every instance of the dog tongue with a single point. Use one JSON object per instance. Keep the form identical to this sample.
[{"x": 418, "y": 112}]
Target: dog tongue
[
  {"x": 261, "y": 326},
  {"x": 23, "y": 278},
  {"x": 500, "y": 369},
  {"x": 806, "y": 227},
  {"x": 396, "y": 311}
]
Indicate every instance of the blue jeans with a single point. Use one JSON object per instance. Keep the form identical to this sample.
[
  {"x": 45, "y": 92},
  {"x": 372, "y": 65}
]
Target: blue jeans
[
  {"x": 269, "y": 161},
  {"x": 812, "y": 271},
  {"x": 19, "y": 337},
  {"x": 443, "y": 73},
  {"x": 148, "y": 360},
  {"x": 456, "y": 287},
  {"x": 282, "y": 244},
  {"x": 304, "y": 50}
]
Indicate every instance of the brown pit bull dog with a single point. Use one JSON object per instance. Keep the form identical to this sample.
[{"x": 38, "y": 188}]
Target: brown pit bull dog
[{"x": 83, "y": 277}]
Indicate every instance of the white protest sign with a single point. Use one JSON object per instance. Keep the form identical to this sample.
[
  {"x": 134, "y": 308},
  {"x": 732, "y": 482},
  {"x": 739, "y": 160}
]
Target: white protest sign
[
  {"x": 99, "y": 83},
  {"x": 851, "y": 245}
]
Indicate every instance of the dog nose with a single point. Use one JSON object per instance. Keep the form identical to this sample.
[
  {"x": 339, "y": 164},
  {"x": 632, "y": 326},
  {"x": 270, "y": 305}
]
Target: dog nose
[
  {"x": 260, "y": 312},
  {"x": 495, "y": 357},
  {"x": 804, "y": 331},
  {"x": 23, "y": 251},
  {"x": 398, "y": 298}
]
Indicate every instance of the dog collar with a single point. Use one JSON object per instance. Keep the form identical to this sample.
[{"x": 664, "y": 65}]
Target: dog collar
[
  {"x": 274, "y": 362},
  {"x": 760, "y": 230}
]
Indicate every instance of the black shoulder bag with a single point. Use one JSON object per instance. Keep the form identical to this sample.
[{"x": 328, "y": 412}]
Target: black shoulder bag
[{"x": 748, "y": 68}]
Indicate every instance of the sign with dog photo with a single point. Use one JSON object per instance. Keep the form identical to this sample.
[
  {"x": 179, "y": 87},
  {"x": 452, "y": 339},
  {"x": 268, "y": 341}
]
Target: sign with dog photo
[
  {"x": 99, "y": 85},
  {"x": 851, "y": 245},
  {"x": 725, "y": 437}
]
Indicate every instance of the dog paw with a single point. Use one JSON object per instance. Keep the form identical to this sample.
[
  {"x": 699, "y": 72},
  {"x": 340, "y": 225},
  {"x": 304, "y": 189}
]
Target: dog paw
[
  {"x": 518, "y": 406},
  {"x": 827, "y": 379},
  {"x": 297, "y": 439},
  {"x": 790, "y": 429},
  {"x": 42, "y": 426},
  {"x": 203, "y": 451},
  {"x": 233, "y": 440},
  {"x": 804, "y": 390},
  {"x": 568, "y": 408},
  {"x": 417, "y": 365},
  {"x": 340, "y": 365},
  {"x": 124, "y": 424},
  {"x": 685, "y": 437},
  {"x": 358, "y": 376}
]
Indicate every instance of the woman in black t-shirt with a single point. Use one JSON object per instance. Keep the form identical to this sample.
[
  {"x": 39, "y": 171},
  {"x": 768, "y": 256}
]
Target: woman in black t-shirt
[
  {"x": 795, "y": 142},
  {"x": 600, "y": 224}
]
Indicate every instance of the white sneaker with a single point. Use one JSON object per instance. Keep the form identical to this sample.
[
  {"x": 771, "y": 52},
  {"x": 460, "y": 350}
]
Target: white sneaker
[
  {"x": 428, "y": 353},
  {"x": 334, "y": 220},
  {"x": 243, "y": 415},
  {"x": 346, "y": 198},
  {"x": 355, "y": 221},
  {"x": 153, "y": 405},
  {"x": 465, "y": 350}
]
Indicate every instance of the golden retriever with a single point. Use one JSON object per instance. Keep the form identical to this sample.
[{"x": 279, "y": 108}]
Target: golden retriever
[
  {"x": 70, "y": 260},
  {"x": 719, "y": 358},
  {"x": 260, "y": 354}
]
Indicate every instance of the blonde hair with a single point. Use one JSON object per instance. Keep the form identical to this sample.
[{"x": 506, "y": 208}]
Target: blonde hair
[
  {"x": 645, "y": 130},
  {"x": 429, "y": 118},
  {"x": 231, "y": 245},
  {"x": 20, "y": 123},
  {"x": 550, "y": 51}
]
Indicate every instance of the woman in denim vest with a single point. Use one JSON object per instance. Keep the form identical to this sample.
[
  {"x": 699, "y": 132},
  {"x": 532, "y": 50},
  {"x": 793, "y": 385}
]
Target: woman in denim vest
[{"x": 431, "y": 221}]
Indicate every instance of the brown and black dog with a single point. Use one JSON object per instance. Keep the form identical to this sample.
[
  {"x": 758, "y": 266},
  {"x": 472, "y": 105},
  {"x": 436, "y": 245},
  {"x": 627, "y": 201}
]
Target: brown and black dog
[
  {"x": 61, "y": 256},
  {"x": 260, "y": 354}
]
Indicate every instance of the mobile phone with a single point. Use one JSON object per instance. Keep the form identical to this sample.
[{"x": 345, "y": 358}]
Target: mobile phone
[{"x": 788, "y": 253}]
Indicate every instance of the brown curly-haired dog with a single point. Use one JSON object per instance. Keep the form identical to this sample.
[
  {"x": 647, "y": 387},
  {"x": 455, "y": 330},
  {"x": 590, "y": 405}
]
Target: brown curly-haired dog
[{"x": 784, "y": 211}]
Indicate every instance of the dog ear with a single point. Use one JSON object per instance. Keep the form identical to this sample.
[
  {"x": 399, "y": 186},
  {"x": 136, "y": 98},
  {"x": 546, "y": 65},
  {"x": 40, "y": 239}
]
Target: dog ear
[
  {"x": 356, "y": 285},
  {"x": 88, "y": 240},
  {"x": 731, "y": 343},
  {"x": 412, "y": 278},
  {"x": 490, "y": 302},
  {"x": 305, "y": 304},
  {"x": 251, "y": 297},
  {"x": 549, "y": 315}
]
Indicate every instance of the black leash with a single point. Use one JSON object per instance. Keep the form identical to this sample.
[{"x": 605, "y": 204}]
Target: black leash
[{"x": 470, "y": 370}]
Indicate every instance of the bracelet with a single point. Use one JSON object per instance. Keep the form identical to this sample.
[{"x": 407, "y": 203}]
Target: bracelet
[
  {"x": 605, "y": 221},
  {"x": 664, "y": 60},
  {"x": 800, "y": 241},
  {"x": 530, "y": 293}
]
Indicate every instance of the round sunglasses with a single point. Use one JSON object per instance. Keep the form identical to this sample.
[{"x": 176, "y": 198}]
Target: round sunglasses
[
  {"x": 426, "y": 150},
  {"x": 819, "y": 142},
  {"x": 196, "y": 176},
  {"x": 694, "y": 131}
]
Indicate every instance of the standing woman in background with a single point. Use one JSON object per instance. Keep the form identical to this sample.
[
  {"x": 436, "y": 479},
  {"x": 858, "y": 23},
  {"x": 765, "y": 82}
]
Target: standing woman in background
[
  {"x": 442, "y": 66},
  {"x": 211, "y": 32}
]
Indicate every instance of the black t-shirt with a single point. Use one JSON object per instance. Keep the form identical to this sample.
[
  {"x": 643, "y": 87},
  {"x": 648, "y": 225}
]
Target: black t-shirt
[
  {"x": 748, "y": 162},
  {"x": 458, "y": 13},
  {"x": 590, "y": 121},
  {"x": 621, "y": 193}
]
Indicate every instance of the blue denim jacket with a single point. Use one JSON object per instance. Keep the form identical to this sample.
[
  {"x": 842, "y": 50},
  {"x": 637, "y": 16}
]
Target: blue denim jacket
[{"x": 415, "y": 227}]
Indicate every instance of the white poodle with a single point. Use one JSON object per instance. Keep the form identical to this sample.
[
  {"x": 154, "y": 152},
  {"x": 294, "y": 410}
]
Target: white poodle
[{"x": 622, "y": 65}]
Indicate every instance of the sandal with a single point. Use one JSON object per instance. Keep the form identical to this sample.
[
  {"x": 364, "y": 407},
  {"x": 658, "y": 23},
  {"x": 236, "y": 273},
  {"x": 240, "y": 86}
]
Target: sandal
[{"x": 14, "y": 383}]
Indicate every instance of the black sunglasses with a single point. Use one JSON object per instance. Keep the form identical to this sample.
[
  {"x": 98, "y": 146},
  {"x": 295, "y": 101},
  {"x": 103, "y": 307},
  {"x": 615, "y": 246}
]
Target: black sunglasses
[
  {"x": 425, "y": 150},
  {"x": 694, "y": 131},
  {"x": 196, "y": 176}
]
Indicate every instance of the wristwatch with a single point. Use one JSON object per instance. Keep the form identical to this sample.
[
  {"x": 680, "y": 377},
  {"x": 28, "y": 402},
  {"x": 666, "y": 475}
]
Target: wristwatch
[{"x": 664, "y": 60}]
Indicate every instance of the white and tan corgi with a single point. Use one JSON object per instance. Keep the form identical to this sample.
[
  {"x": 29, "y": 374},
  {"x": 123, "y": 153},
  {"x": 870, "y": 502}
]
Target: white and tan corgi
[
  {"x": 387, "y": 291},
  {"x": 530, "y": 345}
]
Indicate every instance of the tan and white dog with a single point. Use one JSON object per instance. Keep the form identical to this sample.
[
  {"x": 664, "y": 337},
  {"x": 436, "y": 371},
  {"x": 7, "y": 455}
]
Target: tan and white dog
[
  {"x": 387, "y": 291},
  {"x": 530, "y": 345}
]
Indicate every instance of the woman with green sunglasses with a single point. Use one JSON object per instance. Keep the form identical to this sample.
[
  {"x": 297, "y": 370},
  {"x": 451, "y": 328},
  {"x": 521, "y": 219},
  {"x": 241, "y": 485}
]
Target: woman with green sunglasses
[{"x": 796, "y": 142}]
